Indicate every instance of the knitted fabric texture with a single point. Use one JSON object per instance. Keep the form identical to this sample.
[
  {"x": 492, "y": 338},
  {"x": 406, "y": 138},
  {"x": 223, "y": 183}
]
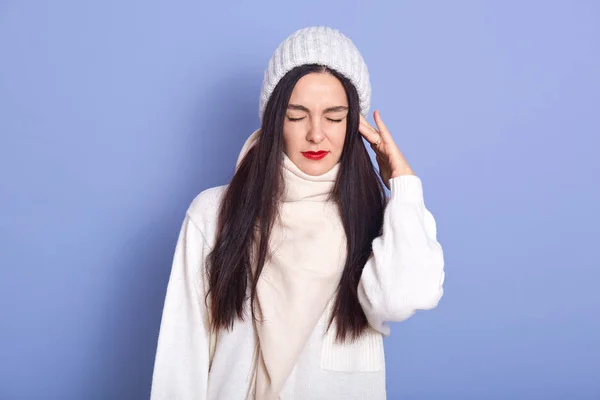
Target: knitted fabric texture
[
  {"x": 307, "y": 252},
  {"x": 317, "y": 45}
]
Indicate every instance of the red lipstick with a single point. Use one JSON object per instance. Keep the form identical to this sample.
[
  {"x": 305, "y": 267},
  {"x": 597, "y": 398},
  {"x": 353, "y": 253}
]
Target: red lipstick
[{"x": 315, "y": 155}]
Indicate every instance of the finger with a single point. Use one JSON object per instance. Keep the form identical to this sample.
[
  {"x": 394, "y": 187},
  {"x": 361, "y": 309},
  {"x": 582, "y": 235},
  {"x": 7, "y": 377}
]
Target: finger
[
  {"x": 383, "y": 131},
  {"x": 369, "y": 133},
  {"x": 377, "y": 150},
  {"x": 380, "y": 137},
  {"x": 366, "y": 123},
  {"x": 368, "y": 128}
]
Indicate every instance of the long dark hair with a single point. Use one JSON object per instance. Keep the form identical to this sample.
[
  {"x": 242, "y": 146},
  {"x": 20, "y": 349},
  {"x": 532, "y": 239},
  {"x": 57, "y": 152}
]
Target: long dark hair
[{"x": 251, "y": 202}]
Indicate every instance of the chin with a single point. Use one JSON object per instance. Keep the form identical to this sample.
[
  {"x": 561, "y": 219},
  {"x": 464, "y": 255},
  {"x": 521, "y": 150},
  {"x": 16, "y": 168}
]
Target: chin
[{"x": 315, "y": 168}]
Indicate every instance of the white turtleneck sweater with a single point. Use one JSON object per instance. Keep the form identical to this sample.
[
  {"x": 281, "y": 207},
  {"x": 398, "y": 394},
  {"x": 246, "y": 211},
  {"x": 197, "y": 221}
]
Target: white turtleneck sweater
[
  {"x": 307, "y": 250},
  {"x": 405, "y": 274}
]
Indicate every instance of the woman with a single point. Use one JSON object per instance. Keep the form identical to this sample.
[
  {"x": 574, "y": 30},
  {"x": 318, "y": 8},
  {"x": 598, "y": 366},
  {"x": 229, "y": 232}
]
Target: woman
[{"x": 283, "y": 280}]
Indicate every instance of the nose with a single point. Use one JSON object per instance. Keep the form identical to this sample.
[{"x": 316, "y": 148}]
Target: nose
[{"x": 315, "y": 133}]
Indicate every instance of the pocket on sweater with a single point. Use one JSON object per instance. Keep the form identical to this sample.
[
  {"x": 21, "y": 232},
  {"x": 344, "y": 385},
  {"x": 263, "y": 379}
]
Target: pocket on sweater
[{"x": 366, "y": 354}]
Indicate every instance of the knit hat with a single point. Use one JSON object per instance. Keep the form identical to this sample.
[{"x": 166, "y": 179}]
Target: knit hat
[{"x": 317, "y": 45}]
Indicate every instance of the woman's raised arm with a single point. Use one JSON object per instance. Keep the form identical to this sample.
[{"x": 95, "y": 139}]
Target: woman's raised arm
[{"x": 406, "y": 271}]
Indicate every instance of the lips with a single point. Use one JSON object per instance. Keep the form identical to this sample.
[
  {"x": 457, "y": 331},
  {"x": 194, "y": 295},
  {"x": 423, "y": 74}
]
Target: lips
[{"x": 315, "y": 155}]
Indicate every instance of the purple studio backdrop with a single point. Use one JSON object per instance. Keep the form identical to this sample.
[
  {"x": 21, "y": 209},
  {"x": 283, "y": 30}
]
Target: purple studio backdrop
[{"x": 115, "y": 114}]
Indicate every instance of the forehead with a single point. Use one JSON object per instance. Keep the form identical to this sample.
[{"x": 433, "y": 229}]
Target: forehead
[{"x": 319, "y": 90}]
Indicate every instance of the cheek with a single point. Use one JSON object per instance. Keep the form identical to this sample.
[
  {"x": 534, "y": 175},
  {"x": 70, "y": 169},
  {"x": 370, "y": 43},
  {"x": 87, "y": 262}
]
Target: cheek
[
  {"x": 338, "y": 137},
  {"x": 290, "y": 137}
]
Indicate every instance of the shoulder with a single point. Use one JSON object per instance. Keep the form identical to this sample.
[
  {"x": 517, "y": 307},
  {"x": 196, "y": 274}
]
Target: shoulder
[{"x": 204, "y": 209}]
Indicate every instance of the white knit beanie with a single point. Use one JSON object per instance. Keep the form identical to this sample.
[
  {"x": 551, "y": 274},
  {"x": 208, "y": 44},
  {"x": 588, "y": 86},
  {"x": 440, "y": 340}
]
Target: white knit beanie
[{"x": 317, "y": 45}]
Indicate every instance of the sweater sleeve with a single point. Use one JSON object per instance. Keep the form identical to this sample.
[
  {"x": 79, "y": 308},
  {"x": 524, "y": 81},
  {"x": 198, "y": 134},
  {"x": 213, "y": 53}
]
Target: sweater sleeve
[
  {"x": 406, "y": 270},
  {"x": 182, "y": 356}
]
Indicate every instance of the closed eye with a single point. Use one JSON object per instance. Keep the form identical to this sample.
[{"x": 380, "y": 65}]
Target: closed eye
[{"x": 329, "y": 119}]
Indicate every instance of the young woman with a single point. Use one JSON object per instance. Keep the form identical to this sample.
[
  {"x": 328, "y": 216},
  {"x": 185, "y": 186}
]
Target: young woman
[{"x": 283, "y": 281}]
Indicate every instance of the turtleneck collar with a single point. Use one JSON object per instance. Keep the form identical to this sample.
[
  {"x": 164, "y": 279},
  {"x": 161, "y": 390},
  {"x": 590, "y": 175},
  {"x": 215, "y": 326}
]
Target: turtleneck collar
[{"x": 299, "y": 186}]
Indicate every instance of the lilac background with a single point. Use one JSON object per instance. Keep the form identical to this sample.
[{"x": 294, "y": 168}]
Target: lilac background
[{"x": 115, "y": 114}]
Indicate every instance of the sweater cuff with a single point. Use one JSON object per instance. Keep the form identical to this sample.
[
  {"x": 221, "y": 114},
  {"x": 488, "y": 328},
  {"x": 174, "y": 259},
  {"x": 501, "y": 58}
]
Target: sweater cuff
[{"x": 407, "y": 189}]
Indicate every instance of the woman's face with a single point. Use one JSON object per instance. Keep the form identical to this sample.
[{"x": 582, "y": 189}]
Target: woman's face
[{"x": 314, "y": 130}]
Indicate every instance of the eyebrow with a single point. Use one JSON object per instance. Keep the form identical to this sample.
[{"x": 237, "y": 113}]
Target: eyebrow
[{"x": 302, "y": 108}]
